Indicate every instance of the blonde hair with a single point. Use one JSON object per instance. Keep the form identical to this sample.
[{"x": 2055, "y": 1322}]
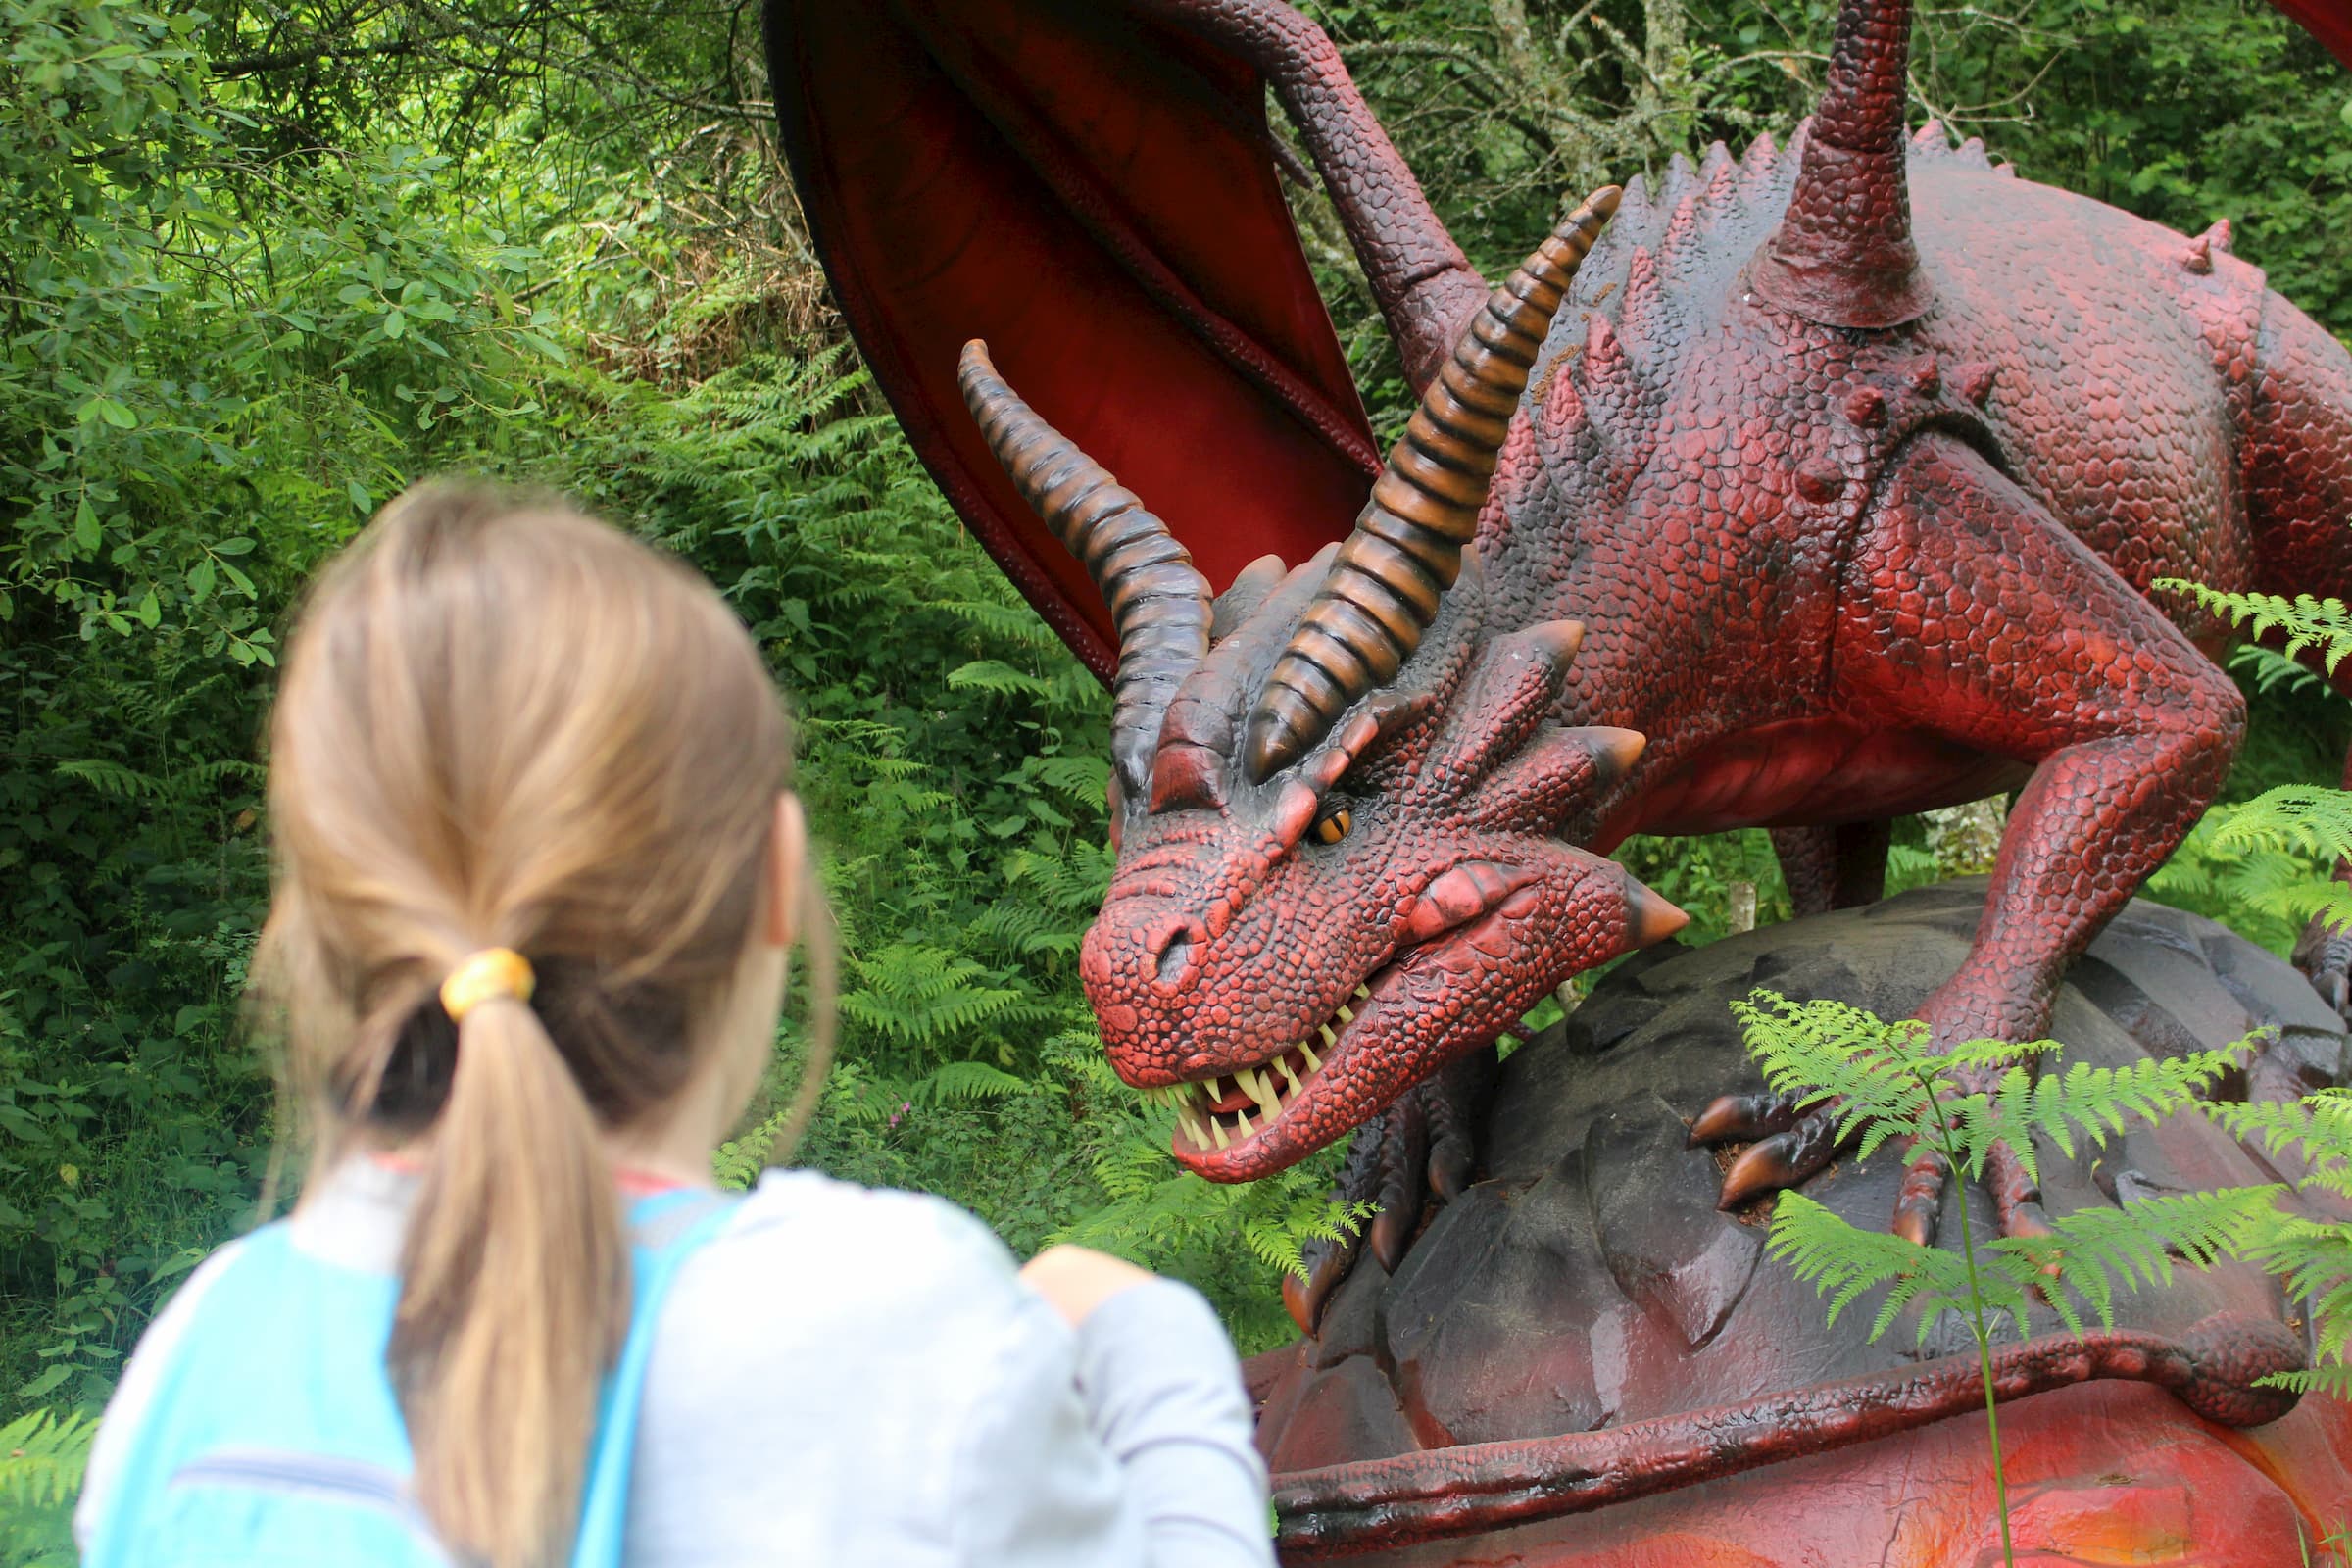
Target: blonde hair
[{"x": 506, "y": 725}]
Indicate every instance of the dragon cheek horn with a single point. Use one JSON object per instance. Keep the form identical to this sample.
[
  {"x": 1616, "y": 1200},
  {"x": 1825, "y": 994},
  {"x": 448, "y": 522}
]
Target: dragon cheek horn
[
  {"x": 1382, "y": 589},
  {"x": 1159, "y": 604}
]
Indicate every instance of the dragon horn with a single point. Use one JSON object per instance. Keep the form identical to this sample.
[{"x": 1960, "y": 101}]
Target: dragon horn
[
  {"x": 1159, "y": 604},
  {"x": 1382, "y": 588},
  {"x": 1843, "y": 254}
]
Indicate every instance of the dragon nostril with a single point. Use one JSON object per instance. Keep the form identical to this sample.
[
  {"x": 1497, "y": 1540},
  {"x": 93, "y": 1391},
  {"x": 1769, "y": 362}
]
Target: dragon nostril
[{"x": 1176, "y": 956}]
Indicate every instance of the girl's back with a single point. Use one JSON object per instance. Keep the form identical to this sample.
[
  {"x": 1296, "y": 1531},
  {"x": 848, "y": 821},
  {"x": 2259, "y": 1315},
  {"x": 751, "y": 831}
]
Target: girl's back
[{"x": 538, "y": 876}]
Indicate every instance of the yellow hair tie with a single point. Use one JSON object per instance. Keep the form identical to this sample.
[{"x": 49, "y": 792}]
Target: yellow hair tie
[{"x": 485, "y": 976}]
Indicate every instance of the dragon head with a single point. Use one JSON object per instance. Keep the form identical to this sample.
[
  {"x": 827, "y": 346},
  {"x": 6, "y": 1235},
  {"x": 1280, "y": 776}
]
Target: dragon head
[{"x": 1337, "y": 796}]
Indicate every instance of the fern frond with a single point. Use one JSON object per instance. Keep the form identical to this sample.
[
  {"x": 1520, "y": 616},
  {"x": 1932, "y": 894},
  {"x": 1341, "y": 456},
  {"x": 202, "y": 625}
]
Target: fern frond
[
  {"x": 42, "y": 1457},
  {"x": 2304, "y": 621},
  {"x": 2096, "y": 1251},
  {"x": 967, "y": 1079},
  {"x": 2303, "y": 818},
  {"x": 2093, "y": 1103}
]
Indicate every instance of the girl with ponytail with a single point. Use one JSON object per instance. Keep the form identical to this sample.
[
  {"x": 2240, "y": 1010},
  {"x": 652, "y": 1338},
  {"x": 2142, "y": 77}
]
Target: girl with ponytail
[{"x": 538, "y": 872}]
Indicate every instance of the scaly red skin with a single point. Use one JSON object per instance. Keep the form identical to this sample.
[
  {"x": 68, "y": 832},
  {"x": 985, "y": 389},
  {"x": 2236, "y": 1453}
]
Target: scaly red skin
[{"x": 1836, "y": 577}]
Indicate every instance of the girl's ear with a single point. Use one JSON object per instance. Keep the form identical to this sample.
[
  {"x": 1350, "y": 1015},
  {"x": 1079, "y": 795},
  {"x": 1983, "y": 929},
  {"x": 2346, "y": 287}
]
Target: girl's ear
[{"x": 787, "y": 862}]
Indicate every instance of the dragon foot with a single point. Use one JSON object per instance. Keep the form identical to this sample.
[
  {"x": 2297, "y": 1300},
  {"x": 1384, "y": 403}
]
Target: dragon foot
[
  {"x": 1789, "y": 1146},
  {"x": 2325, "y": 955},
  {"x": 1424, "y": 1145}
]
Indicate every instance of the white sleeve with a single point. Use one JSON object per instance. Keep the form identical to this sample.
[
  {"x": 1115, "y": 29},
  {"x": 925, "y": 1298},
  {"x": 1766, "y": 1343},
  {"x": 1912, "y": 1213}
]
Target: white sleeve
[{"x": 1136, "y": 1449}]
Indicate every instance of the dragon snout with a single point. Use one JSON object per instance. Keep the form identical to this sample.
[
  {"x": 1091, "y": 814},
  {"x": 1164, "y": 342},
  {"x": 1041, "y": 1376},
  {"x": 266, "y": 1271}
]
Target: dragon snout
[{"x": 1141, "y": 968}]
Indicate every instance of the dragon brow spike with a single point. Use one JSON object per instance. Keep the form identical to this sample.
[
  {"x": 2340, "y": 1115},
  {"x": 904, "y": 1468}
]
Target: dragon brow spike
[
  {"x": 1159, "y": 604},
  {"x": 1382, "y": 589}
]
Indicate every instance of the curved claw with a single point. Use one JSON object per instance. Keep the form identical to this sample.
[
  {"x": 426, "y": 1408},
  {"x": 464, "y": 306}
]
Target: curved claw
[
  {"x": 1782, "y": 1160},
  {"x": 1403, "y": 1180},
  {"x": 2324, "y": 952},
  {"x": 1455, "y": 1103},
  {"x": 1742, "y": 1119},
  {"x": 2016, "y": 1199},
  {"x": 1330, "y": 1262},
  {"x": 1327, "y": 1264},
  {"x": 1919, "y": 1202}
]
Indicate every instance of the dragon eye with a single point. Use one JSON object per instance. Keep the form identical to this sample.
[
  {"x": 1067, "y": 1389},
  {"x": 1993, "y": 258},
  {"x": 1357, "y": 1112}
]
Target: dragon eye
[{"x": 1334, "y": 827}]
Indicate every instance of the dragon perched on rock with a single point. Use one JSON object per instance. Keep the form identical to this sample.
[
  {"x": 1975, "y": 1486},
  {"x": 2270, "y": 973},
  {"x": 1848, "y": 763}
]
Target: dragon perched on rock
[{"x": 1842, "y": 473}]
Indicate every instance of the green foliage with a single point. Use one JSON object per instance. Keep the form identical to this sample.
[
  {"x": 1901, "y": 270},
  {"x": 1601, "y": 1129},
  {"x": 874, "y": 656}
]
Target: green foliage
[
  {"x": 41, "y": 1460},
  {"x": 2313, "y": 1258},
  {"x": 1884, "y": 1083}
]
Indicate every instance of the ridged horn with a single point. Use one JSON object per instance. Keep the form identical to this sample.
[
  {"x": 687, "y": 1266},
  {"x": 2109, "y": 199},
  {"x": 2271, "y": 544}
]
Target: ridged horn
[
  {"x": 1384, "y": 586},
  {"x": 1843, "y": 254},
  {"x": 1160, "y": 605}
]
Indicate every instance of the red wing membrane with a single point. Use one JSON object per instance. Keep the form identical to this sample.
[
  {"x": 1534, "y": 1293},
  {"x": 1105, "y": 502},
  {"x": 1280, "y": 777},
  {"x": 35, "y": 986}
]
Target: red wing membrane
[
  {"x": 2329, "y": 20},
  {"x": 1095, "y": 196}
]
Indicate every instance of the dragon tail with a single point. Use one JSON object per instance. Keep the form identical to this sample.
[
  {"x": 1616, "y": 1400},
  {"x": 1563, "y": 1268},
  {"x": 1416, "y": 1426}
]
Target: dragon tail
[{"x": 1375, "y": 1505}]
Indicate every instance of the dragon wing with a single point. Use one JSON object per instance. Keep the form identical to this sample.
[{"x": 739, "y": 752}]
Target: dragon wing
[{"x": 1096, "y": 194}]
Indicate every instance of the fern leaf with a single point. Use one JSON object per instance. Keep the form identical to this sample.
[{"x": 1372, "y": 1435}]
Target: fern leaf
[{"x": 42, "y": 1456}]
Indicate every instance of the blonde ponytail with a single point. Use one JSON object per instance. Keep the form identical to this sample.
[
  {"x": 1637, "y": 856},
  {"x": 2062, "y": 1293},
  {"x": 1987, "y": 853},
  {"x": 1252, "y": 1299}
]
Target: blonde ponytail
[
  {"x": 514, "y": 1291},
  {"x": 510, "y": 726}
]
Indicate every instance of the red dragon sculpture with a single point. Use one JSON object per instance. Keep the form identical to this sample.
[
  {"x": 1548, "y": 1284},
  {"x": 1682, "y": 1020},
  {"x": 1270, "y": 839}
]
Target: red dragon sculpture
[{"x": 1841, "y": 472}]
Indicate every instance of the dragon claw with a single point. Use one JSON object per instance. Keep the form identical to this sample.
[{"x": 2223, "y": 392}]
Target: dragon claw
[
  {"x": 2323, "y": 954},
  {"x": 1423, "y": 1146},
  {"x": 1782, "y": 1160},
  {"x": 1742, "y": 1119}
]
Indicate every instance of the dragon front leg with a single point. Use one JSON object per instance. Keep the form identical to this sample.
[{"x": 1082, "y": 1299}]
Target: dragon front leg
[
  {"x": 1971, "y": 615},
  {"x": 1425, "y": 1146}
]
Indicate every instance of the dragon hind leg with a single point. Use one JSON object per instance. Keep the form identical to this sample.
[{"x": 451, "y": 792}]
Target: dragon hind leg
[{"x": 1832, "y": 867}]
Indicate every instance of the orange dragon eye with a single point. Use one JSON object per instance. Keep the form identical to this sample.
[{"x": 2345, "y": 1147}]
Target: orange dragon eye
[{"x": 1333, "y": 828}]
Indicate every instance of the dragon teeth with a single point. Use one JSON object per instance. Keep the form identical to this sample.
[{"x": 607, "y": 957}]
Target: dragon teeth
[
  {"x": 1314, "y": 1063},
  {"x": 1365, "y": 991},
  {"x": 1216, "y": 1130},
  {"x": 1243, "y": 1118},
  {"x": 1346, "y": 1015},
  {"x": 1330, "y": 1036},
  {"x": 1282, "y": 1065},
  {"x": 1254, "y": 1085}
]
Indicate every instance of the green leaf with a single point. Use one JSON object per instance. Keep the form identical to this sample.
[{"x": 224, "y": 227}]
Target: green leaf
[
  {"x": 48, "y": 1380},
  {"x": 86, "y": 526}
]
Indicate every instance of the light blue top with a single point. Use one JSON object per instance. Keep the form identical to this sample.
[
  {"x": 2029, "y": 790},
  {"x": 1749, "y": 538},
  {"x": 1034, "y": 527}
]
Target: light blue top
[{"x": 850, "y": 1376}]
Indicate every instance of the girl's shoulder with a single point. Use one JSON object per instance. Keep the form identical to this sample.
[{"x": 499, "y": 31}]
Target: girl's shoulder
[{"x": 872, "y": 1255}]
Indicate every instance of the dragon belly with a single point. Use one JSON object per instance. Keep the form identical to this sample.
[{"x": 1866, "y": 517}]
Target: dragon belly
[{"x": 1807, "y": 772}]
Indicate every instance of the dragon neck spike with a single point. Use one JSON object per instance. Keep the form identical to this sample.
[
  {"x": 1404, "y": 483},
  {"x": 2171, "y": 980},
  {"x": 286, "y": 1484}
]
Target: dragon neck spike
[
  {"x": 1842, "y": 253},
  {"x": 1382, "y": 588},
  {"x": 1159, "y": 604}
]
